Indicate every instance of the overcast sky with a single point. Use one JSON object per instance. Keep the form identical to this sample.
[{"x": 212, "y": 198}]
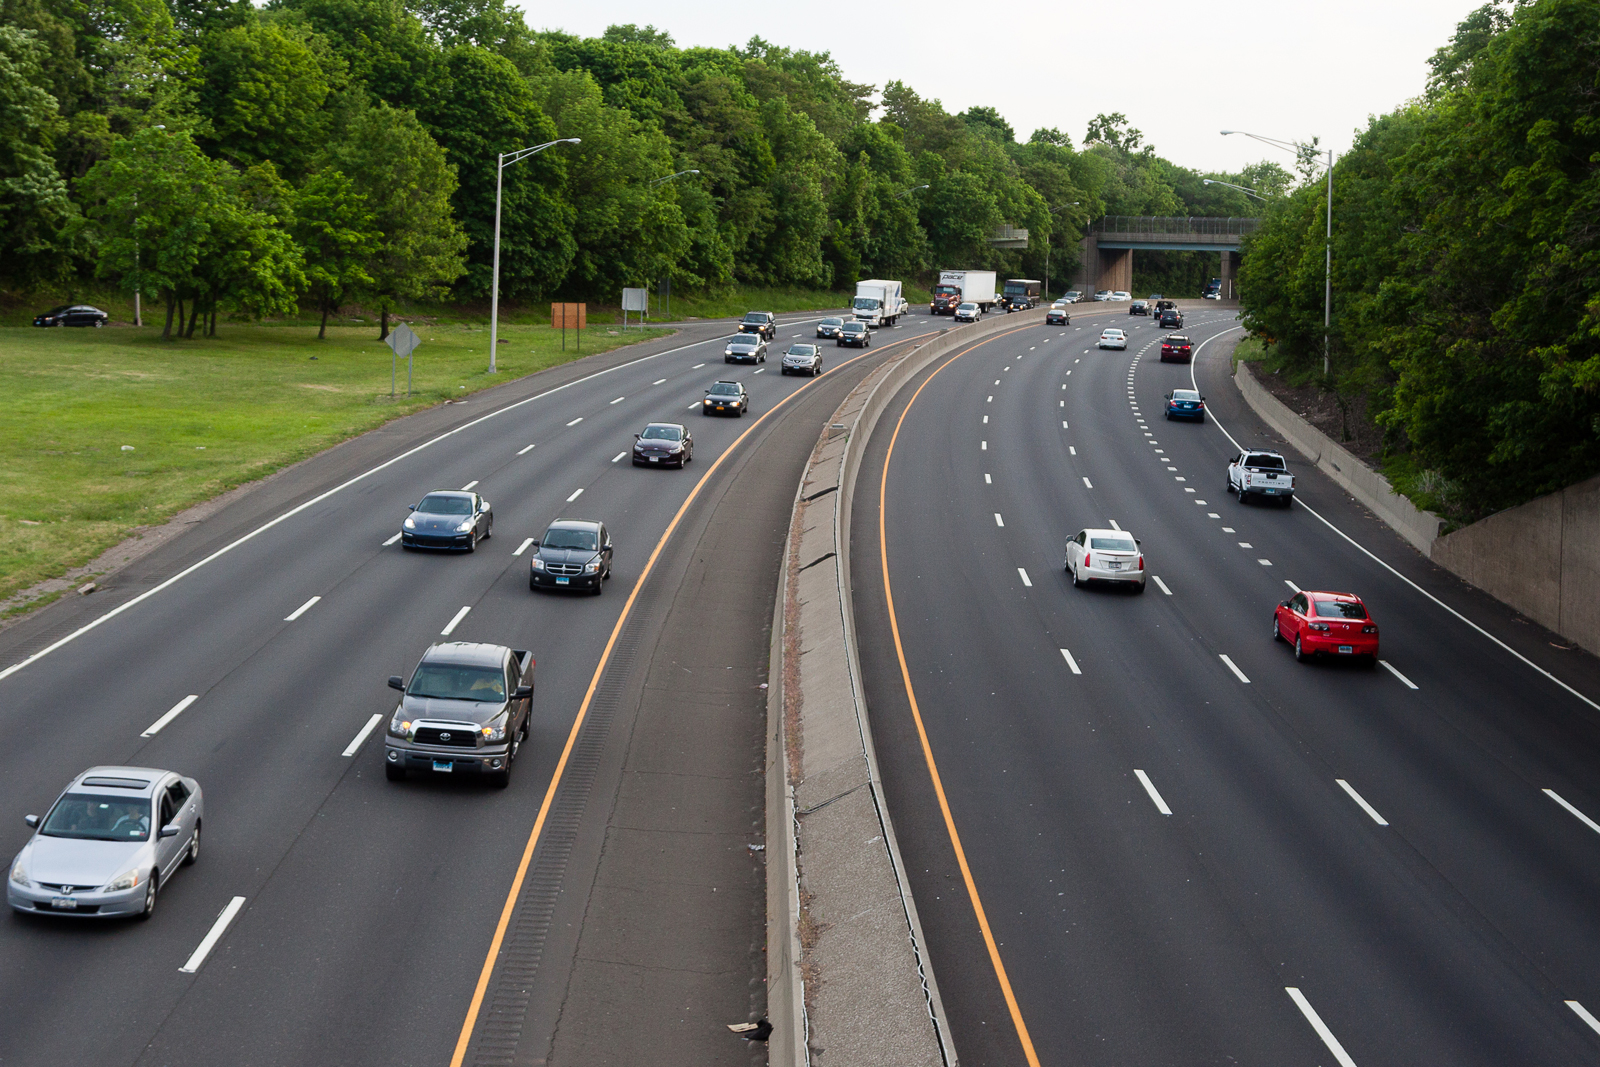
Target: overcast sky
[{"x": 1180, "y": 71}]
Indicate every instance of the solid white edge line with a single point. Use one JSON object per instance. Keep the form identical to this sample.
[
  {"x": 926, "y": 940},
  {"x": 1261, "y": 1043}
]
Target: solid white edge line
[
  {"x": 469, "y": 485},
  {"x": 200, "y": 953},
  {"x": 1300, "y": 502},
  {"x": 1160, "y": 584},
  {"x": 1149, "y": 787},
  {"x": 177, "y": 709},
  {"x": 1359, "y": 799},
  {"x": 1407, "y": 682},
  {"x": 446, "y": 632},
  {"x": 1237, "y": 673},
  {"x": 523, "y": 547},
  {"x": 1025, "y": 580},
  {"x": 576, "y": 493},
  {"x": 391, "y": 540},
  {"x": 1583, "y": 1013},
  {"x": 320, "y": 497},
  {"x": 301, "y": 610},
  {"x": 1320, "y": 1027},
  {"x": 1070, "y": 661},
  {"x": 361, "y": 738},
  {"x": 1559, "y": 799}
]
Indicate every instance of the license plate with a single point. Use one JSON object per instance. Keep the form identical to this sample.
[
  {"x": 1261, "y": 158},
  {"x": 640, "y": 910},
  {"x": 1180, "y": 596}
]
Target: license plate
[
  {"x": 443, "y": 766},
  {"x": 1347, "y": 649},
  {"x": 1113, "y": 566},
  {"x": 655, "y": 459},
  {"x": 563, "y": 581},
  {"x": 64, "y": 903}
]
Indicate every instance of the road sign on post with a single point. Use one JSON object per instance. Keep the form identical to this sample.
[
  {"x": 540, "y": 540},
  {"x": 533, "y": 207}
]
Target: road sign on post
[
  {"x": 573, "y": 316},
  {"x": 635, "y": 300},
  {"x": 403, "y": 340}
]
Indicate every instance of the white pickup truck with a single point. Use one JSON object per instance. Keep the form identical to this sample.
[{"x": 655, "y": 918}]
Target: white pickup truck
[{"x": 1257, "y": 472}]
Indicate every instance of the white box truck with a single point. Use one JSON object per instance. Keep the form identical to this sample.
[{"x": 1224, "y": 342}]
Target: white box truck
[
  {"x": 879, "y": 302},
  {"x": 957, "y": 286}
]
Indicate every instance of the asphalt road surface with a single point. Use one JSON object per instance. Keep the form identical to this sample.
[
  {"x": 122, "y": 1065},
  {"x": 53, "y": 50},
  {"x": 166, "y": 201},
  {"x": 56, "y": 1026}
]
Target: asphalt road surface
[
  {"x": 369, "y": 908},
  {"x": 1188, "y": 848}
]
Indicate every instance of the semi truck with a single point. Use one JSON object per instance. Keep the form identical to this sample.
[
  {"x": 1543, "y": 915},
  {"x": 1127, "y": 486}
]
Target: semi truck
[
  {"x": 1020, "y": 294},
  {"x": 958, "y": 286},
  {"x": 879, "y": 302}
]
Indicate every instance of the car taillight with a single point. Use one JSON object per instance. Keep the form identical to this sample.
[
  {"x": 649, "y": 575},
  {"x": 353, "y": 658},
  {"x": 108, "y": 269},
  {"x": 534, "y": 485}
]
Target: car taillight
[
  {"x": 1141, "y": 561},
  {"x": 1369, "y": 629},
  {"x": 1086, "y": 559},
  {"x": 1321, "y": 626}
]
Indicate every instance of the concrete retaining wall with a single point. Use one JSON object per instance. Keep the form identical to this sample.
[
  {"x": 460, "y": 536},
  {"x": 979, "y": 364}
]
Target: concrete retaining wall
[{"x": 848, "y": 976}]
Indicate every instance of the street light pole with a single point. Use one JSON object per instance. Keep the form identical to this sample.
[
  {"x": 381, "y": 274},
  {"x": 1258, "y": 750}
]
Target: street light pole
[
  {"x": 1230, "y": 185},
  {"x": 1304, "y": 152},
  {"x": 505, "y": 160}
]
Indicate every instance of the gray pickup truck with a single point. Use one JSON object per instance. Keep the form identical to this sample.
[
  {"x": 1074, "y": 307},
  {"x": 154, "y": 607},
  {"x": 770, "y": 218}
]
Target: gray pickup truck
[{"x": 465, "y": 711}]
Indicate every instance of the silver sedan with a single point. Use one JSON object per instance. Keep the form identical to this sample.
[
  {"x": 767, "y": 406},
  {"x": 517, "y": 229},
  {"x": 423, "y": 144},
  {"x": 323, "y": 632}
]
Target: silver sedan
[{"x": 108, "y": 844}]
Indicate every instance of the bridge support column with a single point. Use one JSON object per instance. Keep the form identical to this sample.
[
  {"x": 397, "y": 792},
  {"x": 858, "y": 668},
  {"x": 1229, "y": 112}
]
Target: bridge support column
[
  {"x": 1116, "y": 269},
  {"x": 1228, "y": 272}
]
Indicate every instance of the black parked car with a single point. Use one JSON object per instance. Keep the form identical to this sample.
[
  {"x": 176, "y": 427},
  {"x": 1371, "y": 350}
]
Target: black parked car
[
  {"x": 448, "y": 519},
  {"x": 724, "y": 398},
  {"x": 72, "y": 315},
  {"x": 663, "y": 444},
  {"x": 572, "y": 554},
  {"x": 764, "y": 323}
]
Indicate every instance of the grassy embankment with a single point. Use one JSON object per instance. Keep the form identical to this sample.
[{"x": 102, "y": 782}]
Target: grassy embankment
[{"x": 107, "y": 430}]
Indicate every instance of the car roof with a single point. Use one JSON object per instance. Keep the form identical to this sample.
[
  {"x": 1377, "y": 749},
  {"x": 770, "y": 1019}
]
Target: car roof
[
  {"x": 1171, "y": 337},
  {"x": 575, "y": 524},
  {"x": 1190, "y": 392},
  {"x": 669, "y": 425},
  {"x": 1262, "y": 452},
  {"x": 1326, "y": 595},
  {"x": 1093, "y": 531},
  {"x": 724, "y": 381},
  {"x": 121, "y": 779},
  {"x": 745, "y": 339},
  {"x": 465, "y": 653}
]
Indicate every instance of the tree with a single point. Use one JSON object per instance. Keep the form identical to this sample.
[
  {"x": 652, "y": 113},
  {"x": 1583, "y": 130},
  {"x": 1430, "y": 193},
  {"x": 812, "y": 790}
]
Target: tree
[
  {"x": 336, "y": 232},
  {"x": 407, "y": 184},
  {"x": 987, "y": 121},
  {"x": 1113, "y": 130},
  {"x": 36, "y": 215}
]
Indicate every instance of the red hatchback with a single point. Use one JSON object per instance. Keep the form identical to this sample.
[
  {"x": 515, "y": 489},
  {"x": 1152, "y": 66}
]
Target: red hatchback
[
  {"x": 1331, "y": 624},
  {"x": 1175, "y": 346}
]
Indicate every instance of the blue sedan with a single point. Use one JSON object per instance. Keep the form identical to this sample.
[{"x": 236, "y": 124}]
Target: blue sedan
[{"x": 1186, "y": 404}]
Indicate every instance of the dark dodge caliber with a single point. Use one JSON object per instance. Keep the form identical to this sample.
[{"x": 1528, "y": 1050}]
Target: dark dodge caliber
[
  {"x": 572, "y": 554},
  {"x": 465, "y": 711}
]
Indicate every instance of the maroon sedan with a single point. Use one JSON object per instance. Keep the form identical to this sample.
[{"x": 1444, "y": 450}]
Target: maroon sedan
[
  {"x": 1327, "y": 624},
  {"x": 1175, "y": 346}
]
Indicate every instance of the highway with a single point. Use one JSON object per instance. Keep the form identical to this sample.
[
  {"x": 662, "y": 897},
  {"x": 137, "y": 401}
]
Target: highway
[
  {"x": 1167, "y": 841},
  {"x": 351, "y": 919}
]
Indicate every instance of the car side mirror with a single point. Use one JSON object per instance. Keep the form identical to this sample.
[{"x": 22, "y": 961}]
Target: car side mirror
[
  {"x": 1137, "y": 541},
  {"x": 411, "y": 507},
  {"x": 533, "y": 544},
  {"x": 1283, "y": 604},
  {"x": 31, "y": 820},
  {"x": 169, "y": 830},
  {"x": 397, "y": 682},
  {"x": 638, "y": 437},
  {"x": 1168, "y": 397},
  {"x": 523, "y": 692},
  {"x": 487, "y": 506}
]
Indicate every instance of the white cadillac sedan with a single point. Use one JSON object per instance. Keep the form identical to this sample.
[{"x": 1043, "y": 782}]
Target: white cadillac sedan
[
  {"x": 1113, "y": 338},
  {"x": 1105, "y": 556}
]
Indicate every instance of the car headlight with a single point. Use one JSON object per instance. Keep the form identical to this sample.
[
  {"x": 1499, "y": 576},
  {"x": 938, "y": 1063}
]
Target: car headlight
[
  {"x": 123, "y": 881},
  {"x": 493, "y": 732},
  {"x": 537, "y": 564},
  {"x": 411, "y": 522},
  {"x": 707, "y": 400},
  {"x": 592, "y": 567},
  {"x": 399, "y": 727},
  {"x": 19, "y": 873},
  {"x": 675, "y": 448},
  {"x": 464, "y": 527}
]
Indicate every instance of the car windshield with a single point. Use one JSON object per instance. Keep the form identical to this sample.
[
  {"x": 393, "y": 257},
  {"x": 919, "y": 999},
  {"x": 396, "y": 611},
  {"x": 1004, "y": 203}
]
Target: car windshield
[
  {"x": 969, "y": 306},
  {"x": 1340, "y": 609},
  {"x": 661, "y": 433},
  {"x": 755, "y": 317},
  {"x": 1264, "y": 463},
  {"x": 854, "y": 327},
  {"x": 724, "y": 389},
  {"x": 801, "y": 350},
  {"x": 866, "y": 303},
  {"x": 946, "y": 290},
  {"x": 447, "y": 681},
  {"x": 744, "y": 339},
  {"x": 1113, "y": 333},
  {"x": 99, "y": 818},
  {"x": 833, "y": 322},
  {"x": 440, "y": 504},
  {"x": 1113, "y": 544},
  {"x": 567, "y": 537},
  {"x": 1185, "y": 394}
]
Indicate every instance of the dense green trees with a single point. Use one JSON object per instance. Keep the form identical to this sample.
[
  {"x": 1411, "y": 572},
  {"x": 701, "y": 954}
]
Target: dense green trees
[
  {"x": 1466, "y": 264},
  {"x": 230, "y": 159}
]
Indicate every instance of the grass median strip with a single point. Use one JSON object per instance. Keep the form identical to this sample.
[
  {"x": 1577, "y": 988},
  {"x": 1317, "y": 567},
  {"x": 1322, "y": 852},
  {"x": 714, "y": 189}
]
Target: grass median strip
[{"x": 110, "y": 430}]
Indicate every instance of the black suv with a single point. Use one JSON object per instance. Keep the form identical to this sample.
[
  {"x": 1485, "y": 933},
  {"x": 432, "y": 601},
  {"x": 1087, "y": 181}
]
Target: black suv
[
  {"x": 1172, "y": 318},
  {"x": 725, "y": 398},
  {"x": 572, "y": 554},
  {"x": 465, "y": 711},
  {"x": 764, "y": 323}
]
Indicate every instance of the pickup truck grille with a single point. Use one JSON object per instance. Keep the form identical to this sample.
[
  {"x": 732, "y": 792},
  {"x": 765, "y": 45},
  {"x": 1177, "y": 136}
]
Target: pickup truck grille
[{"x": 448, "y": 736}]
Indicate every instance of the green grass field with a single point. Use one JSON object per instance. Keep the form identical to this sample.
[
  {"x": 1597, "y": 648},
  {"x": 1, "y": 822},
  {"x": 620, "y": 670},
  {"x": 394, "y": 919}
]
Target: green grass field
[{"x": 106, "y": 430}]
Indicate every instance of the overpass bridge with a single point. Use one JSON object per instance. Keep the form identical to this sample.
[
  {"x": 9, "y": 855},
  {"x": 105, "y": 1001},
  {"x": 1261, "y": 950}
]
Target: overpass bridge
[{"x": 1109, "y": 245}]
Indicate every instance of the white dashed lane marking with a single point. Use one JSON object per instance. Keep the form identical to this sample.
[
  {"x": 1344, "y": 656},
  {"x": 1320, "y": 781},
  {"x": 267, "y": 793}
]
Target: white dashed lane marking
[
  {"x": 1237, "y": 673},
  {"x": 1024, "y": 576},
  {"x": 1149, "y": 787},
  {"x": 1357, "y": 797}
]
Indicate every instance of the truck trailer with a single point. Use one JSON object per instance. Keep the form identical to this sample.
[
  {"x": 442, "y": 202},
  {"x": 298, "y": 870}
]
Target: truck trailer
[
  {"x": 879, "y": 302},
  {"x": 958, "y": 286}
]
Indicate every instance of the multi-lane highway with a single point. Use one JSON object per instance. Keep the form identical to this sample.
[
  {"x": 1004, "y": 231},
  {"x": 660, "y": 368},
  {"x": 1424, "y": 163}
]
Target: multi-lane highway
[
  {"x": 1168, "y": 842},
  {"x": 351, "y": 918}
]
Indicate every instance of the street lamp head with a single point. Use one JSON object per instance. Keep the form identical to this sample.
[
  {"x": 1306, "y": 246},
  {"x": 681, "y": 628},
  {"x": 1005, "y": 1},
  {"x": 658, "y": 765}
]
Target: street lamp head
[
  {"x": 1225, "y": 133},
  {"x": 570, "y": 140}
]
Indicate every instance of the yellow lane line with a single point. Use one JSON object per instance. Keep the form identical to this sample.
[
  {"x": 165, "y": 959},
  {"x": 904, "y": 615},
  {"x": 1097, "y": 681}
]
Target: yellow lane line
[
  {"x": 922, "y": 732},
  {"x": 583, "y": 710}
]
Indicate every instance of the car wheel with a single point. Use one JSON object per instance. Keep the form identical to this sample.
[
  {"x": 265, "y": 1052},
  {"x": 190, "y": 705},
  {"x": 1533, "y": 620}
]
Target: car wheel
[
  {"x": 393, "y": 773},
  {"x": 194, "y": 848},
  {"x": 1242, "y": 495},
  {"x": 1277, "y": 631},
  {"x": 1077, "y": 582},
  {"x": 533, "y": 587},
  {"x": 727, "y": 359},
  {"x": 500, "y": 779},
  {"x": 98, "y": 323},
  {"x": 149, "y": 897},
  {"x": 599, "y": 585},
  {"x": 472, "y": 540},
  {"x": 1300, "y": 654},
  {"x": 1371, "y": 663},
  {"x": 488, "y": 531},
  {"x": 1138, "y": 588}
]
